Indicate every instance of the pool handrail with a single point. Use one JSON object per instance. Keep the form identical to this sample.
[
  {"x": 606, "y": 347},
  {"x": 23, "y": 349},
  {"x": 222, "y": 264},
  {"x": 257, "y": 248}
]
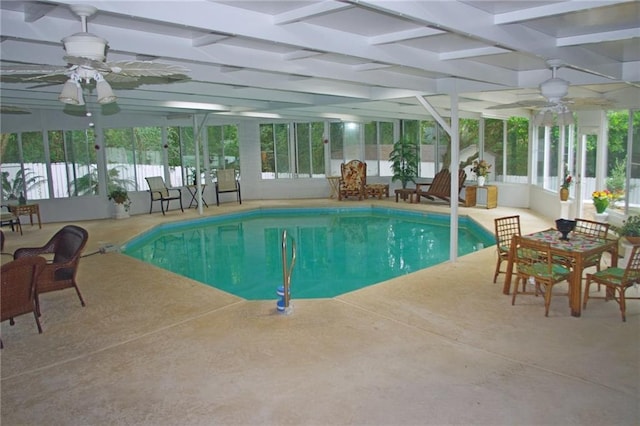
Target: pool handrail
[{"x": 286, "y": 272}]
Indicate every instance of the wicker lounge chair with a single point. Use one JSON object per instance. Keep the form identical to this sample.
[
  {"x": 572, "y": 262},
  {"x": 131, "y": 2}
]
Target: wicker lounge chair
[
  {"x": 18, "y": 288},
  {"x": 66, "y": 246},
  {"x": 159, "y": 191},
  {"x": 353, "y": 180},
  {"x": 440, "y": 187}
]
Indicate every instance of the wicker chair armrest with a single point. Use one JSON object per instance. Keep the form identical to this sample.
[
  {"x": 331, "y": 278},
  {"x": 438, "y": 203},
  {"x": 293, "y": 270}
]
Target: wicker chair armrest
[
  {"x": 33, "y": 251},
  {"x": 58, "y": 271}
]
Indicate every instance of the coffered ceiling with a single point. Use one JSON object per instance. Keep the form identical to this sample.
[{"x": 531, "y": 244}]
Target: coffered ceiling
[{"x": 349, "y": 60}]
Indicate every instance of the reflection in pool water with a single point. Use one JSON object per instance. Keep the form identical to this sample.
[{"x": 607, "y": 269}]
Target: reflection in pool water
[{"x": 338, "y": 250}]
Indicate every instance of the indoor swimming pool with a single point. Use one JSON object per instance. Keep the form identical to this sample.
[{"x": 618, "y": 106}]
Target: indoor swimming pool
[{"x": 338, "y": 249}]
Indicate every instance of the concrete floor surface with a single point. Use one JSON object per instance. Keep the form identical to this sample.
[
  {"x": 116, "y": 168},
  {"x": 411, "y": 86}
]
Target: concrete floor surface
[{"x": 439, "y": 346}]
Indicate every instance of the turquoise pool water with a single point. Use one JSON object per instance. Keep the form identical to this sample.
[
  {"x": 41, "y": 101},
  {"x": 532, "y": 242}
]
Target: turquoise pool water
[{"x": 338, "y": 250}]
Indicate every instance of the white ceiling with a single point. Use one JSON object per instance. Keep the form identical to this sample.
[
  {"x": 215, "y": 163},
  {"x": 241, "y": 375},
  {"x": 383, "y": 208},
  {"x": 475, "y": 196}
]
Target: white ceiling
[{"x": 360, "y": 59}]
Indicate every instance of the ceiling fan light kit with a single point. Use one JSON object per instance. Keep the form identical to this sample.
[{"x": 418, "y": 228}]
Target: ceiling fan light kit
[
  {"x": 105, "y": 94},
  {"x": 564, "y": 116},
  {"x": 71, "y": 92}
]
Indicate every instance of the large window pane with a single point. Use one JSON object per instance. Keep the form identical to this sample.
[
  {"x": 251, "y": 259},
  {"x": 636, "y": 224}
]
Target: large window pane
[
  {"x": 34, "y": 172},
  {"x": 303, "y": 149},
  {"x": 517, "y": 150},
  {"x": 223, "y": 147},
  {"x": 121, "y": 158},
  {"x": 10, "y": 167},
  {"x": 494, "y": 144},
  {"x": 74, "y": 169},
  {"x": 274, "y": 142}
]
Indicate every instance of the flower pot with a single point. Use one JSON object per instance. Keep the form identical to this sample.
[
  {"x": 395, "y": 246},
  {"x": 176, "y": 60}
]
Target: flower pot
[
  {"x": 601, "y": 217},
  {"x": 120, "y": 211},
  {"x": 564, "y": 194},
  {"x": 600, "y": 205},
  {"x": 481, "y": 180},
  {"x": 633, "y": 240}
]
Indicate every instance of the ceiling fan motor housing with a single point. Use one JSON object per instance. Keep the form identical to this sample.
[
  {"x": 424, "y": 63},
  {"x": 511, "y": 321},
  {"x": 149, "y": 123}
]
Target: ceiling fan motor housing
[{"x": 86, "y": 45}]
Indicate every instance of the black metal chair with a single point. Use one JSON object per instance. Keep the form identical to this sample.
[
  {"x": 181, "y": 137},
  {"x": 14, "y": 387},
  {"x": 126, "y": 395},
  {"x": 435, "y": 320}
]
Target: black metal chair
[
  {"x": 227, "y": 181},
  {"x": 159, "y": 191}
]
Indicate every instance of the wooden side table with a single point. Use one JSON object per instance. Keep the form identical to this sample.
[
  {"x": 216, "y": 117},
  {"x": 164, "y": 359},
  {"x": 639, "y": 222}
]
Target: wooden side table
[
  {"x": 405, "y": 193},
  {"x": 471, "y": 195},
  {"x": 27, "y": 209}
]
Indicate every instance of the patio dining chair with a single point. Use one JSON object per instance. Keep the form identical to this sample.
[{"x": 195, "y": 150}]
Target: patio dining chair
[
  {"x": 18, "y": 289},
  {"x": 227, "y": 181},
  {"x": 535, "y": 262},
  {"x": 617, "y": 281},
  {"x": 159, "y": 191},
  {"x": 506, "y": 227}
]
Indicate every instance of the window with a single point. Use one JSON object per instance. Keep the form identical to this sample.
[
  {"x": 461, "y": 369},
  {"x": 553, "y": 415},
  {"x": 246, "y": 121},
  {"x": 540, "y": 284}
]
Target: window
[
  {"x": 222, "y": 143},
  {"x": 274, "y": 145},
  {"x": 133, "y": 154},
  {"x": 24, "y": 167},
  {"x": 299, "y": 153},
  {"x": 309, "y": 147},
  {"x": 621, "y": 157},
  {"x": 74, "y": 168},
  {"x": 517, "y": 150}
]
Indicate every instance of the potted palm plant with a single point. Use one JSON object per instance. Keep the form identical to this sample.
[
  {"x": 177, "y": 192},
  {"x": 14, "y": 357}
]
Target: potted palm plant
[
  {"x": 404, "y": 161},
  {"x": 121, "y": 200}
]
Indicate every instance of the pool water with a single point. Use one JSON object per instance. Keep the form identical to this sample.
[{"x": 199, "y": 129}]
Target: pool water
[{"x": 338, "y": 250}]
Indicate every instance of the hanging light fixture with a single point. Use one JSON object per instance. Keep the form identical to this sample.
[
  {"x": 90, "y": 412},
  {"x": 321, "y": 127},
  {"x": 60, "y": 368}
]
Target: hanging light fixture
[
  {"x": 547, "y": 118},
  {"x": 72, "y": 89},
  {"x": 564, "y": 116},
  {"x": 105, "y": 94}
]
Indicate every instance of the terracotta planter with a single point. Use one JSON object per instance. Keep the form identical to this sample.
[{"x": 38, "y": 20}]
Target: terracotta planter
[
  {"x": 633, "y": 240},
  {"x": 564, "y": 194}
]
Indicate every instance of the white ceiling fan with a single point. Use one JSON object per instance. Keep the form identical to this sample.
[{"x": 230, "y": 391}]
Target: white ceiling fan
[
  {"x": 554, "y": 100},
  {"x": 86, "y": 63}
]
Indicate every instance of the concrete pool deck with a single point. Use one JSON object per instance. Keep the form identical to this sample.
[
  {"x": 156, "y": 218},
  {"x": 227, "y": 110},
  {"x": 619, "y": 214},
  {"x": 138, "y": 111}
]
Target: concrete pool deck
[{"x": 439, "y": 346}]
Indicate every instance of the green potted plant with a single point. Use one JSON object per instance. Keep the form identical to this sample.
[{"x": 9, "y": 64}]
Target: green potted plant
[
  {"x": 404, "y": 161},
  {"x": 121, "y": 199}
]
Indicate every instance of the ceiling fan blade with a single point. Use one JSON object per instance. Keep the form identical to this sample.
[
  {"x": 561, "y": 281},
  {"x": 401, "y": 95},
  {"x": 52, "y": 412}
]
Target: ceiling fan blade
[
  {"x": 26, "y": 69},
  {"x": 591, "y": 102},
  {"x": 87, "y": 63},
  {"x": 523, "y": 104},
  {"x": 8, "y": 109},
  {"x": 145, "y": 68}
]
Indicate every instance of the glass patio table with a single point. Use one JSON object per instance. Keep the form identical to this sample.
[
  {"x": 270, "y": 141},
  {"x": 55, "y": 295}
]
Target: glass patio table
[{"x": 578, "y": 247}]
